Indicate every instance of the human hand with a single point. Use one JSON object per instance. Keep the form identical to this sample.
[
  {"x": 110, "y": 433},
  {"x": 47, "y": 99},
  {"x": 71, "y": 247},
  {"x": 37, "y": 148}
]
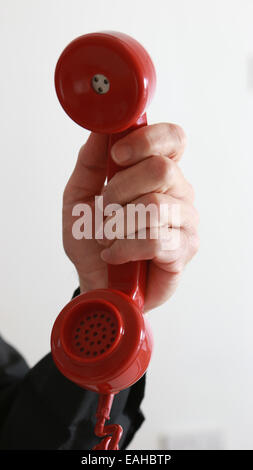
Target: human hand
[{"x": 151, "y": 176}]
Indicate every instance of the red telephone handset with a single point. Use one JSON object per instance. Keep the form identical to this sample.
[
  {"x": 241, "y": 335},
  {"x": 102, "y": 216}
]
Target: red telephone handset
[{"x": 101, "y": 340}]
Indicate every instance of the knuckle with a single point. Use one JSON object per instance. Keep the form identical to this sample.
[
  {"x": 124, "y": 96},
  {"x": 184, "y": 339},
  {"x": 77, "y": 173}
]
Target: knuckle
[
  {"x": 178, "y": 134},
  {"x": 148, "y": 141},
  {"x": 81, "y": 150},
  {"x": 192, "y": 216},
  {"x": 154, "y": 138},
  {"x": 177, "y": 267},
  {"x": 194, "y": 243},
  {"x": 159, "y": 216},
  {"x": 161, "y": 169},
  {"x": 195, "y": 216},
  {"x": 155, "y": 200},
  {"x": 156, "y": 246},
  {"x": 190, "y": 192},
  {"x": 114, "y": 188}
]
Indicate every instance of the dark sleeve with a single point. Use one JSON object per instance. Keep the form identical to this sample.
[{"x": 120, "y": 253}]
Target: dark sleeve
[{"x": 41, "y": 409}]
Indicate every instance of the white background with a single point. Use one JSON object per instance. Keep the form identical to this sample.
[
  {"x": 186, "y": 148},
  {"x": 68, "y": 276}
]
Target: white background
[{"x": 200, "y": 379}]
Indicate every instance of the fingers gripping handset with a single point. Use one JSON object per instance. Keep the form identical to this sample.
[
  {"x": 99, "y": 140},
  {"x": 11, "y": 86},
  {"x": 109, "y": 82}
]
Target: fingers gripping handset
[{"x": 101, "y": 340}]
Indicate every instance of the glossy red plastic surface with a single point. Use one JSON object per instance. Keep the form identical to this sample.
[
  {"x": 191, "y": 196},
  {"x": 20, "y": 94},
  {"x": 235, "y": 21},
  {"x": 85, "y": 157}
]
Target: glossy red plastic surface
[
  {"x": 130, "y": 277},
  {"x": 127, "y": 356},
  {"x": 128, "y": 68},
  {"x": 101, "y": 340},
  {"x": 111, "y": 433}
]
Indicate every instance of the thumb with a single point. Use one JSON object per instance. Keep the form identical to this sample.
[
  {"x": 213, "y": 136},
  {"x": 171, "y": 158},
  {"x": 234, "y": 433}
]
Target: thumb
[{"x": 89, "y": 173}]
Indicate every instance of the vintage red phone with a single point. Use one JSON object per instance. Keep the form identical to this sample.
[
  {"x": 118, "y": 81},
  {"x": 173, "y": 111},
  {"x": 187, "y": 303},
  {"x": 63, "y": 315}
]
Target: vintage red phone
[{"x": 101, "y": 339}]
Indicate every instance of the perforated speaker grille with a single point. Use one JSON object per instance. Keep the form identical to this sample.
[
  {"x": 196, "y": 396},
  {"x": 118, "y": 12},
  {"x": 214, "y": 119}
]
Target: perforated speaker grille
[{"x": 94, "y": 334}]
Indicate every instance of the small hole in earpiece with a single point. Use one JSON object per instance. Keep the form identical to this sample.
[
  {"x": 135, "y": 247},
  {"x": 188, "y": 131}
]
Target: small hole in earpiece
[
  {"x": 103, "y": 336},
  {"x": 102, "y": 351},
  {"x": 92, "y": 325},
  {"x": 99, "y": 342},
  {"x": 91, "y": 343},
  {"x": 87, "y": 353},
  {"x": 81, "y": 349},
  {"x": 95, "y": 353}
]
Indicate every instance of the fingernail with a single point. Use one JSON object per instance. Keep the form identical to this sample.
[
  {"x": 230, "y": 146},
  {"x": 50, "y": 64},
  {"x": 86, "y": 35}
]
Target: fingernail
[
  {"x": 121, "y": 152},
  {"x": 105, "y": 254}
]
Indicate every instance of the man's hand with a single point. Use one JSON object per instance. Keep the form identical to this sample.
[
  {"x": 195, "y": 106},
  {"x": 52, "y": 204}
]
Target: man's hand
[{"x": 152, "y": 175}]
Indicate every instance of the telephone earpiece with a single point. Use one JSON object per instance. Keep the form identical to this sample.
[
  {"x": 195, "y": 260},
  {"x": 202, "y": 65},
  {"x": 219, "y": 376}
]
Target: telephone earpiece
[{"x": 101, "y": 340}]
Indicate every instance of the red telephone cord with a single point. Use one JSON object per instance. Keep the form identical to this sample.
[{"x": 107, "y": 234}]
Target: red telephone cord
[{"x": 111, "y": 432}]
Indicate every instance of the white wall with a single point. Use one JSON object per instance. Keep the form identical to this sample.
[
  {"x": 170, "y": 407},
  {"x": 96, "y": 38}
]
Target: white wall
[{"x": 201, "y": 373}]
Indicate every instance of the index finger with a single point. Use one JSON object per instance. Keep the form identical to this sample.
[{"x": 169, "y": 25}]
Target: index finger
[{"x": 163, "y": 139}]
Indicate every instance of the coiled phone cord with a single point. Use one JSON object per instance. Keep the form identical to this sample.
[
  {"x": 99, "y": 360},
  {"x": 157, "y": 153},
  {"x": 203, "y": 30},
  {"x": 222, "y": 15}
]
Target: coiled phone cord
[{"x": 111, "y": 432}]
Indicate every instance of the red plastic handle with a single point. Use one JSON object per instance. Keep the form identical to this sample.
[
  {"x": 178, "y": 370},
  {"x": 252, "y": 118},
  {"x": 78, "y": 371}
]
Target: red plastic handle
[
  {"x": 82, "y": 351},
  {"x": 130, "y": 277}
]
